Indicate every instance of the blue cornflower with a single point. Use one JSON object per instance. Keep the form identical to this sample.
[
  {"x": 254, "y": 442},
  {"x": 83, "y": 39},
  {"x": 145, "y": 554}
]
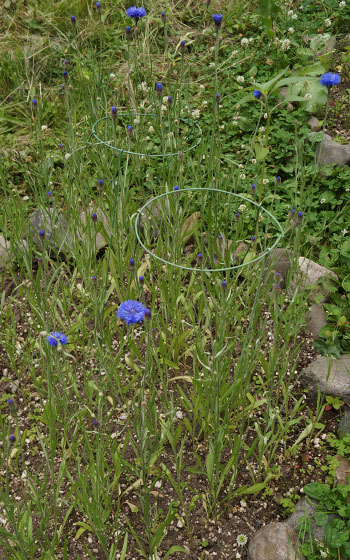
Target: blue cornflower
[
  {"x": 163, "y": 14},
  {"x": 257, "y": 93},
  {"x": 217, "y": 18},
  {"x": 100, "y": 182},
  {"x": 176, "y": 188},
  {"x": 98, "y": 5},
  {"x": 34, "y": 102},
  {"x": 73, "y": 20},
  {"x": 114, "y": 111},
  {"x": 136, "y": 13},
  {"x": 56, "y": 337},
  {"x": 128, "y": 30},
  {"x": 131, "y": 311},
  {"x": 12, "y": 439},
  {"x": 224, "y": 284},
  {"x": 49, "y": 193},
  {"x": 10, "y": 401},
  {"x": 130, "y": 129},
  {"x": 329, "y": 79},
  {"x": 159, "y": 87}
]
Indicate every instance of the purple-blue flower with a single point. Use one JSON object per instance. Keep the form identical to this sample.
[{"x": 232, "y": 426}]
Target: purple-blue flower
[
  {"x": 159, "y": 87},
  {"x": 131, "y": 311},
  {"x": 55, "y": 337},
  {"x": 257, "y": 93},
  {"x": 329, "y": 79},
  {"x": 217, "y": 18},
  {"x": 136, "y": 13},
  {"x": 73, "y": 20}
]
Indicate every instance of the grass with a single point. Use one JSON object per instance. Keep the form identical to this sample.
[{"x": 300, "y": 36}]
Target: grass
[{"x": 134, "y": 440}]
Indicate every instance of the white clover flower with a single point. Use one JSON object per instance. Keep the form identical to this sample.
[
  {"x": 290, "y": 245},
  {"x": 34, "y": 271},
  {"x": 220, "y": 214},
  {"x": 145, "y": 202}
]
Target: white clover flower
[
  {"x": 67, "y": 156},
  {"x": 112, "y": 75},
  {"x": 179, "y": 414},
  {"x": 202, "y": 86},
  {"x": 265, "y": 181},
  {"x": 342, "y": 4},
  {"x": 344, "y": 231},
  {"x": 44, "y": 127},
  {"x": 323, "y": 553},
  {"x": 242, "y": 207},
  {"x": 323, "y": 200},
  {"x": 195, "y": 113},
  {"x": 244, "y": 42},
  {"x": 290, "y": 13},
  {"x": 327, "y": 22},
  {"x": 265, "y": 115},
  {"x": 294, "y": 16},
  {"x": 308, "y": 95},
  {"x": 151, "y": 129},
  {"x": 291, "y": 30},
  {"x": 285, "y": 44},
  {"x": 262, "y": 128},
  {"x": 242, "y": 176},
  {"x": 242, "y": 540},
  {"x": 254, "y": 160},
  {"x": 204, "y": 103},
  {"x": 240, "y": 79}
]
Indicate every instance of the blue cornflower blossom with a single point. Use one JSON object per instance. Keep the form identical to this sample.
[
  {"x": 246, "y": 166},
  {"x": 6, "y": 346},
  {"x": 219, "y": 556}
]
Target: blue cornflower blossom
[
  {"x": 131, "y": 311},
  {"x": 159, "y": 87},
  {"x": 73, "y": 20},
  {"x": 257, "y": 93},
  {"x": 329, "y": 79},
  {"x": 56, "y": 337},
  {"x": 217, "y": 18},
  {"x": 136, "y": 13}
]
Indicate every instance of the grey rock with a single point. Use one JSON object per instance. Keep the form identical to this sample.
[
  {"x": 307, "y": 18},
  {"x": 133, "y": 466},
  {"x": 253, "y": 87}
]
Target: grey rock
[
  {"x": 154, "y": 218},
  {"x": 316, "y": 319},
  {"x": 306, "y": 506},
  {"x": 344, "y": 424},
  {"x": 57, "y": 237},
  {"x": 330, "y": 152},
  {"x": 278, "y": 261},
  {"x": 276, "y": 541},
  {"x": 99, "y": 230},
  {"x": 310, "y": 275},
  {"x": 314, "y": 123},
  {"x": 4, "y": 251},
  {"x": 331, "y": 376},
  {"x": 342, "y": 471}
]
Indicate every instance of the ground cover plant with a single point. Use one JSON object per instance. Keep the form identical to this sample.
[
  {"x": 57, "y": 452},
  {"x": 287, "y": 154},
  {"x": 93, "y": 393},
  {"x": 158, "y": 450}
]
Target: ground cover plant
[{"x": 150, "y": 354}]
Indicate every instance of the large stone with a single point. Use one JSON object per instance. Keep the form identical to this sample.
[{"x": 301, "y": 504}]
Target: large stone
[
  {"x": 276, "y": 541},
  {"x": 154, "y": 218},
  {"x": 331, "y": 376},
  {"x": 329, "y": 152},
  {"x": 342, "y": 471},
  {"x": 279, "y": 261},
  {"x": 306, "y": 506},
  {"x": 344, "y": 424},
  {"x": 4, "y": 251},
  {"x": 316, "y": 319},
  {"x": 311, "y": 275},
  {"x": 57, "y": 238},
  {"x": 99, "y": 230}
]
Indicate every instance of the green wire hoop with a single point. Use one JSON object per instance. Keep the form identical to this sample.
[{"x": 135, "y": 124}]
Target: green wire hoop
[
  {"x": 241, "y": 197},
  {"x": 121, "y": 150}
]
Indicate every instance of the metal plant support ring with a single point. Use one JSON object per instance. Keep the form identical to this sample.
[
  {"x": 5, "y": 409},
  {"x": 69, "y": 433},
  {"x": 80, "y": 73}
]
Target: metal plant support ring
[
  {"x": 240, "y": 197},
  {"x": 122, "y": 150}
]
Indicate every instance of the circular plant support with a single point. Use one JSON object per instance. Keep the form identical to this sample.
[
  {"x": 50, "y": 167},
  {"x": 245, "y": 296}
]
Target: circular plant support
[
  {"x": 241, "y": 198},
  {"x": 193, "y": 125}
]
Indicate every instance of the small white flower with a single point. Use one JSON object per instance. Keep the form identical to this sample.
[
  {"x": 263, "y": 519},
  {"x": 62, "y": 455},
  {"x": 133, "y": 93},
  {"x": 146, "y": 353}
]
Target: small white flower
[
  {"x": 291, "y": 30},
  {"x": 137, "y": 120},
  {"x": 143, "y": 86},
  {"x": 327, "y": 22},
  {"x": 151, "y": 129},
  {"x": 244, "y": 42},
  {"x": 265, "y": 181},
  {"x": 265, "y": 115},
  {"x": 308, "y": 95},
  {"x": 254, "y": 160},
  {"x": 242, "y": 176},
  {"x": 251, "y": 39},
  {"x": 67, "y": 156},
  {"x": 342, "y": 4},
  {"x": 242, "y": 540},
  {"x": 195, "y": 113},
  {"x": 285, "y": 44},
  {"x": 323, "y": 200},
  {"x": 240, "y": 79},
  {"x": 262, "y": 128},
  {"x": 179, "y": 414},
  {"x": 290, "y": 13},
  {"x": 112, "y": 75},
  {"x": 242, "y": 207},
  {"x": 202, "y": 86},
  {"x": 44, "y": 127},
  {"x": 204, "y": 103},
  {"x": 294, "y": 16},
  {"x": 323, "y": 553},
  {"x": 344, "y": 231}
]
